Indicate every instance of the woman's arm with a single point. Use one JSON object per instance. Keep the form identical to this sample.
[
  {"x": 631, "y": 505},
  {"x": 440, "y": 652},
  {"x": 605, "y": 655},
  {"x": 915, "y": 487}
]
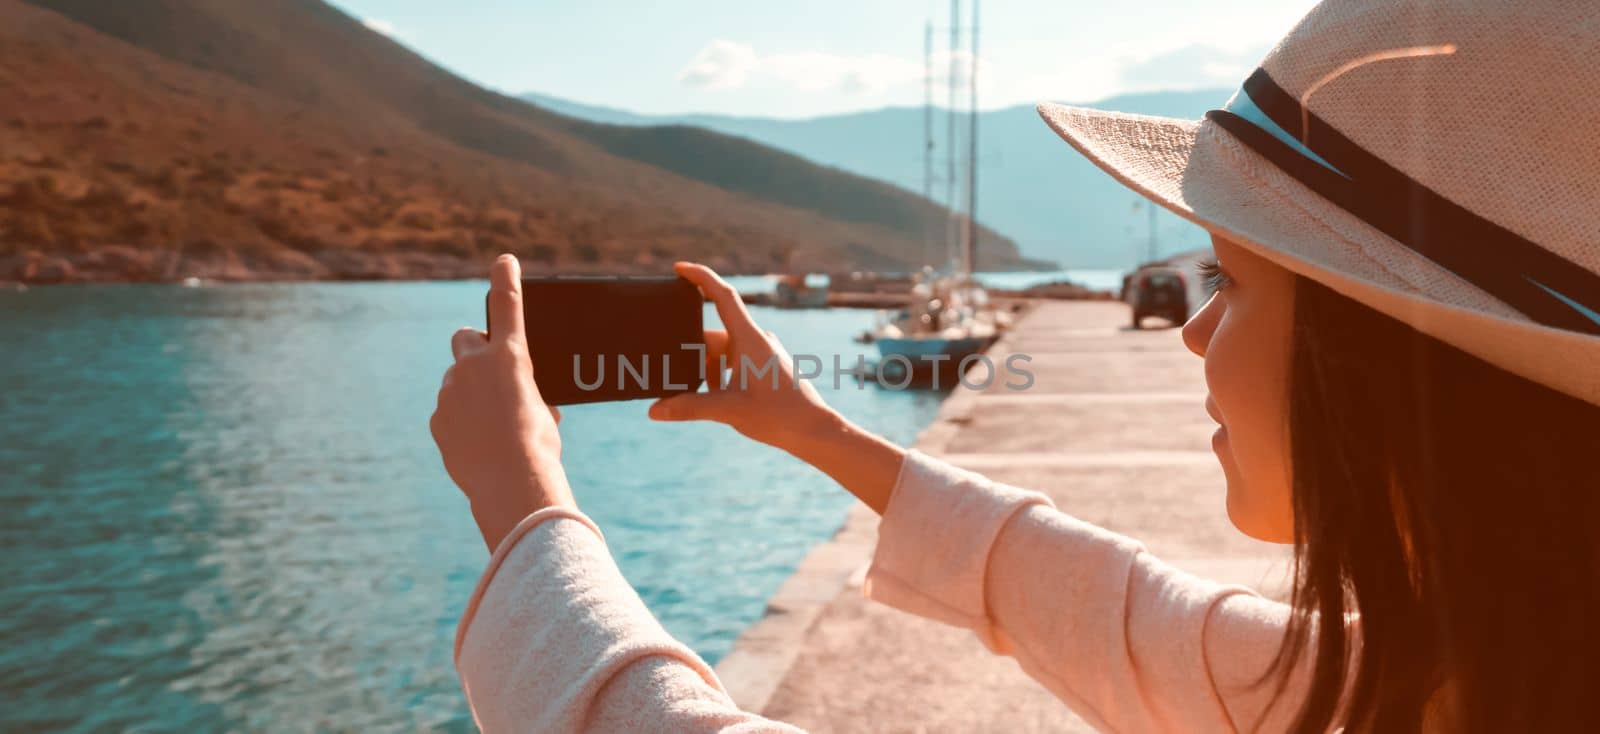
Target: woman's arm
[
  {"x": 1129, "y": 642},
  {"x": 861, "y": 461},
  {"x": 553, "y": 638}
]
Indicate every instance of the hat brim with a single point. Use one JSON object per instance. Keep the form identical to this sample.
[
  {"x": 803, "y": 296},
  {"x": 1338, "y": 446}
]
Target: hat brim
[{"x": 1199, "y": 172}]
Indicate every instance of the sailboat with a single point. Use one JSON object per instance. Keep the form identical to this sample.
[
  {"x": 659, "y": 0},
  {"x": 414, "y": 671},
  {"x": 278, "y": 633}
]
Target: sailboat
[{"x": 949, "y": 316}]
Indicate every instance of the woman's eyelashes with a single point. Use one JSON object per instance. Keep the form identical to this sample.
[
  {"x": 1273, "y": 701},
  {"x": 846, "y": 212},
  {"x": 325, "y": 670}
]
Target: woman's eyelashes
[{"x": 1212, "y": 275}]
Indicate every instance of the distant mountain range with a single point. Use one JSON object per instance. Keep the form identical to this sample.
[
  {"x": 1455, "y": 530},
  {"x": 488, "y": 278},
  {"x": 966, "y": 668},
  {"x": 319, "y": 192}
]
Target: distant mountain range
[
  {"x": 158, "y": 139},
  {"x": 1032, "y": 186}
]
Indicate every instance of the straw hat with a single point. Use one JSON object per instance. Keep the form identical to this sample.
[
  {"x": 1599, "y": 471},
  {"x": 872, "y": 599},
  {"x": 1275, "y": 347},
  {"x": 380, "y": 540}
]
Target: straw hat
[{"x": 1437, "y": 161}]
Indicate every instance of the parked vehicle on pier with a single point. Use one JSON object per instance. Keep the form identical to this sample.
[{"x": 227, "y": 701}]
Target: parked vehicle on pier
[{"x": 1157, "y": 290}]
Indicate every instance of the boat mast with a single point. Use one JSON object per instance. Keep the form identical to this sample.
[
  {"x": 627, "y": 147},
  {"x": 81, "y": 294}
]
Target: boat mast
[
  {"x": 952, "y": 224},
  {"x": 927, "y": 128},
  {"x": 927, "y": 111},
  {"x": 971, "y": 255}
]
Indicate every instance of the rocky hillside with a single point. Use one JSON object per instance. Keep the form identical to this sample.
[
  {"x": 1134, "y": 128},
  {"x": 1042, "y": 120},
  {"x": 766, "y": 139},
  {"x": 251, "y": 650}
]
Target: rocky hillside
[{"x": 162, "y": 139}]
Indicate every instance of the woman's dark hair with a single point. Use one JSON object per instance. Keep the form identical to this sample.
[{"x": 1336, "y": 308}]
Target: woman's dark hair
[{"x": 1452, "y": 505}]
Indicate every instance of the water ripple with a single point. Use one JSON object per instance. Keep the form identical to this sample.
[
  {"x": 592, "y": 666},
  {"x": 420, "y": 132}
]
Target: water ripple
[{"x": 220, "y": 508}]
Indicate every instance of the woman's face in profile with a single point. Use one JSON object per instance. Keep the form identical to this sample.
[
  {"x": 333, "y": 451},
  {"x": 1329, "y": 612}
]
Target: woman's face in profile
[{"x": 1243, "y": 334}]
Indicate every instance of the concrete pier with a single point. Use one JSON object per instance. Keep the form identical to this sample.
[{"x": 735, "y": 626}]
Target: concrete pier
[{"x": 1114, "y": 430}]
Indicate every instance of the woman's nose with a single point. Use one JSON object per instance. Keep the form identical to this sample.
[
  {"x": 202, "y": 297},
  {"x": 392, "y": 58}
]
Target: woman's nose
[{"x": 1197, "y": 332}]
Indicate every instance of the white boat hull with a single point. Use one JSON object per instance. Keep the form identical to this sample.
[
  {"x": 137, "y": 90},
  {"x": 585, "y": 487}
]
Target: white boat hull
[{"x": 917, "y": 350}]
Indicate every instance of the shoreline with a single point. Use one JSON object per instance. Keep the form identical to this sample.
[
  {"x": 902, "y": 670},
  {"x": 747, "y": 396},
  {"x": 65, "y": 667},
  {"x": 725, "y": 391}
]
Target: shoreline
[
  {"x": 118, "y": 264},
  {"x": 127, "y": 264},
  {"x": 124, "y": 266}
]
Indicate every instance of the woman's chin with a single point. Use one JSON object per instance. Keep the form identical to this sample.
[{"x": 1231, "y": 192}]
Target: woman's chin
[
  {"x": 1250, "y": 522},
  {"x": 1247, "y": 511}
]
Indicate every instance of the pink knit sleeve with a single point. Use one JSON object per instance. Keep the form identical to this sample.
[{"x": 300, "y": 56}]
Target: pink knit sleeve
[
  {"x": 1128, "y": 642},
  {"x": 555, "y": 640}
]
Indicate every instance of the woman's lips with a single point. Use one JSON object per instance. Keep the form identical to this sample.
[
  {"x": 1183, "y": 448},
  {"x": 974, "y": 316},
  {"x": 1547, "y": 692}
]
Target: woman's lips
[{"x": 1220, "y": 436}]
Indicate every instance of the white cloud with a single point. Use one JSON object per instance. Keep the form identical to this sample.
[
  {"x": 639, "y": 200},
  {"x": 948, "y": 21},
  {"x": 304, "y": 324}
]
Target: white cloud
[
  {"x": 729, "y": 65},
  {"x": 1010, "y": 72},
  {"x": 384, "y": 27},
  {"x": 1196, "y": 66},
  {"x": 815, "y": 72},
  {"x": 720, "y": 65}
]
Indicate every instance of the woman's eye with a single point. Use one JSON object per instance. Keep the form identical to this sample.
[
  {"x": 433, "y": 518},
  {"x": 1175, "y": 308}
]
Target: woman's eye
[{"x": 1212, "y": 276}]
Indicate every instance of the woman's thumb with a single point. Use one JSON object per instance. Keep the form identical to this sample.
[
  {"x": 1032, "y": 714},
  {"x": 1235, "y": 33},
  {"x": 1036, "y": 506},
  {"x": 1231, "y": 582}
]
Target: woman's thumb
[{"x": 694, "y": 406}]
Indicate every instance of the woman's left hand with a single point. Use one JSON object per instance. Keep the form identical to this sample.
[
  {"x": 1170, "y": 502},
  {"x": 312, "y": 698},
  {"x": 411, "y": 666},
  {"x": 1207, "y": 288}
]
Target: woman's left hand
[{"x": 497, "y": 437}]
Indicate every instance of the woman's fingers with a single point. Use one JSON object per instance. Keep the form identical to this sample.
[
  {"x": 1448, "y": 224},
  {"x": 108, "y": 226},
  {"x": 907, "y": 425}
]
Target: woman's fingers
[
  {"x": 716, "y": 341},
  {"x": 467, "y": 340},
  {"x": 505, "y": 301},
  {"x": 729, "y": 305},
  {"x": 716, "y": 354},
  {"x": 691, "y": 406}
]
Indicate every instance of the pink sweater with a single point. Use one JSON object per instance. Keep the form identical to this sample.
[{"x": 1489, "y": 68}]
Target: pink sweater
[{"x": 555, "y": 640}]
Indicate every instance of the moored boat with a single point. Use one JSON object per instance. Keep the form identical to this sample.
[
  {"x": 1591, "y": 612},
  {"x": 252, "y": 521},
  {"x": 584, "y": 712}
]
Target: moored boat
[{"x": 800, "y": 291}]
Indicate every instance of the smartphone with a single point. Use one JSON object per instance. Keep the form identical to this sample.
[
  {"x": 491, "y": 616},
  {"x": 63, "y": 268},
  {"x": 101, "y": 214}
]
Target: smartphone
[{"x": 597, "y": 339}]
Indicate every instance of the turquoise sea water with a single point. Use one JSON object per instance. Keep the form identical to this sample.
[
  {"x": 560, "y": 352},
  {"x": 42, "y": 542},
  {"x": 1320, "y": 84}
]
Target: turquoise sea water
[{"x": 220, "y": 508}]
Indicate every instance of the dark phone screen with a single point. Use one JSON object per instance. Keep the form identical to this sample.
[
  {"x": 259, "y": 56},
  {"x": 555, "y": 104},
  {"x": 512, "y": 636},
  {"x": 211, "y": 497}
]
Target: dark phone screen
[{"x": 598, "y": 339}]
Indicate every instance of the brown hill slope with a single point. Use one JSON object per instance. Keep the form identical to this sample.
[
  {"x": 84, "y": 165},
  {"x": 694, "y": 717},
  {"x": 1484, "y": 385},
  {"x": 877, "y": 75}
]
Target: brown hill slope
[{"x": 166, "y": 138}]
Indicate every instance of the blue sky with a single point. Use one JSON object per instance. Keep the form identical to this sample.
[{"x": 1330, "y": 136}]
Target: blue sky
[{"x": 802, "y": 59}]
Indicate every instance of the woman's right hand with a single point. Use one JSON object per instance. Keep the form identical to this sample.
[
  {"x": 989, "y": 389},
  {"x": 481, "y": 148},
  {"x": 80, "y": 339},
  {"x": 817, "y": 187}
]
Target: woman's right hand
[
  {"x": 788, "y": 414},
  {"x": 760, "y": 396}
]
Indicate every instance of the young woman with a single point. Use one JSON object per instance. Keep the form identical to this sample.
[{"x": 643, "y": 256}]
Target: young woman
[{"x": 1404, "y": 356}]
